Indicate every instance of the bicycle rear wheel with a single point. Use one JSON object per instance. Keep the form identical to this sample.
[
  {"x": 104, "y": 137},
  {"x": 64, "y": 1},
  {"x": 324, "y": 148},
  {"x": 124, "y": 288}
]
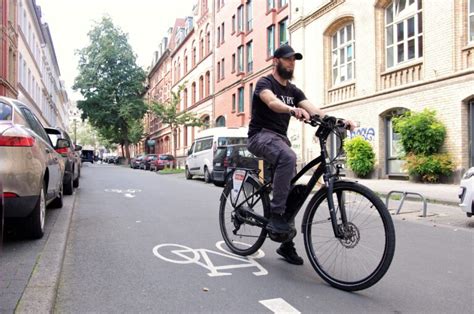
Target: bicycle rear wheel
[
  {"x": 243, "y": 234},
  {"x": 363, "y": 256}
]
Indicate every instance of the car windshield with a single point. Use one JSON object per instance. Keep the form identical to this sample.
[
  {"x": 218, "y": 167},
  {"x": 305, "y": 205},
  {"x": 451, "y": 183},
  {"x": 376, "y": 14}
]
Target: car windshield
[
  {"x": 5, "y": 112},
  {"x": 166, "y": 157},
  {"x": 53, "y": 137},
  {"x": 220, "y": 153},
  {"x": 231, "y": 141}
]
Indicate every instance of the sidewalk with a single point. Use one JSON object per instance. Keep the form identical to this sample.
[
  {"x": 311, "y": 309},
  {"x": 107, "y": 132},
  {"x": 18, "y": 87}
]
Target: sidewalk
[{"x": 433, "y": 193}]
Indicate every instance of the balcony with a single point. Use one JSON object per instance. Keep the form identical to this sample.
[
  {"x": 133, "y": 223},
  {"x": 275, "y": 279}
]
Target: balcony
[
  {"x": 402, "y": 76},
  {"x": 341, "y": 93}
]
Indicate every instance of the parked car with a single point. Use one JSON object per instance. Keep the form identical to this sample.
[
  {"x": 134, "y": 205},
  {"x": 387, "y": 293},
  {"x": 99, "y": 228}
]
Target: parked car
[
  {"x": 466, "y": 193},
  {"x": 135, "y": 162},
  {"x": 31, "y": 170},
  {"x": 87, "y": 156},
  {"x": 72, "y": 168},
  {"x": 201, "y": 154},
  {"x": 145, "y": 161},
  {"x": 162, "y": 161},
  {"x": 1, "y": 215},
  {"x": 229, "y": 157}
]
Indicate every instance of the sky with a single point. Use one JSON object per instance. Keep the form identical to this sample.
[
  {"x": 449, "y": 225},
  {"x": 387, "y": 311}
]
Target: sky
[{"x": 145, "y": 21}]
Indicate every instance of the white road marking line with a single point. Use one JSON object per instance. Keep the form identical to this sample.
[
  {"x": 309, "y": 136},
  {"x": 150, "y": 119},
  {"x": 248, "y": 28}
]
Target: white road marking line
[{"x": 279, "y": 306}]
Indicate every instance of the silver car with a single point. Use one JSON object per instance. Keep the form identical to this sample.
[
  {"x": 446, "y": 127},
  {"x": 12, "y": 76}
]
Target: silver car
[{"x": 31, "y": 170}]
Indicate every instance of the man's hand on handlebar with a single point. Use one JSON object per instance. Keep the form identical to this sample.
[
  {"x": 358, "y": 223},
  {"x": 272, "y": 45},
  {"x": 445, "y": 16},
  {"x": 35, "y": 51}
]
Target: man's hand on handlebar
[{"x": 300, "y": 113}]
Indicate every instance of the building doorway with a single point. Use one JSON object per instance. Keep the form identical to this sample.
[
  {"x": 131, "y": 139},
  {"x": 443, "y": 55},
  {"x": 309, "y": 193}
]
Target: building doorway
[{"x": 394, "y": 149}]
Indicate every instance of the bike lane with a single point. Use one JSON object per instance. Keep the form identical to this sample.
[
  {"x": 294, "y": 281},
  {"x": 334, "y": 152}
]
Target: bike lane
[{"x": 161, "y": 251}]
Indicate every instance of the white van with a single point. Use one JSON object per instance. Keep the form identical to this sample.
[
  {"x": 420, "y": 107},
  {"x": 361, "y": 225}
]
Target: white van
[{"x": 201, "y": 153}]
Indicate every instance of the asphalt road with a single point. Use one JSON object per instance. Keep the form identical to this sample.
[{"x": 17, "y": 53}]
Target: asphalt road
[{"x": 144, "y": 242}]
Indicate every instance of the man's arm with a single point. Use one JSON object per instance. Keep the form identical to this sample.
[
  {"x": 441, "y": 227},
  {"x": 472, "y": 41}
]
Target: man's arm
[
  {"x": 275, "y": 104},
  {"x": 312, "y": 109}
]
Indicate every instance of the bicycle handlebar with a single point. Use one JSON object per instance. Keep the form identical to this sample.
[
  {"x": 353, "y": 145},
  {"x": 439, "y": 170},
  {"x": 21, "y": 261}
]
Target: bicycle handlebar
[{"x": 329, "y": 122}]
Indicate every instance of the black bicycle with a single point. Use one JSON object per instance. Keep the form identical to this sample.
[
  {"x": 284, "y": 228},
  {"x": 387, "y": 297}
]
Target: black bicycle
[{"x": 348, "y": 232}]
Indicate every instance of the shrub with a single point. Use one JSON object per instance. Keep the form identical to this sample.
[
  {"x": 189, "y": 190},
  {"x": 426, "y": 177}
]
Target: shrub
[
  {"x": 421, "y": 132},
  {"x": 431, "y": 167},
  {"x": 360, "y": 155}
]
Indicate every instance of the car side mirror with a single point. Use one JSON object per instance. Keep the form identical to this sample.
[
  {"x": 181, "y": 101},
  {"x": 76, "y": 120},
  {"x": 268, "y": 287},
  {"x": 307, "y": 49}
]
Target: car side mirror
[
  {"x": 77, "y": 148},
  {"x": 190, "y": 152},
  {"x": 63, "y": 143}
]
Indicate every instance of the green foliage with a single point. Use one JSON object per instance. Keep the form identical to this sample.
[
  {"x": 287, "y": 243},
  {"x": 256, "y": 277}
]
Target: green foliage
[
  {"x": 111, "y": 83},
  {"x": 421, "y": 132},
  {"x": 360, "y": 155},
  {"x": 168, "y": 112},
  {"x": 430, "y": 167}
]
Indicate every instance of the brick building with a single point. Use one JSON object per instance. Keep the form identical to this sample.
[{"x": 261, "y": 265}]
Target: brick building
[
  {"x": 39, "y": 82},
  {"x": 8, "y": 49},
  {"x": 374, "y": 61},
  {"x": 247, "y": 34}
]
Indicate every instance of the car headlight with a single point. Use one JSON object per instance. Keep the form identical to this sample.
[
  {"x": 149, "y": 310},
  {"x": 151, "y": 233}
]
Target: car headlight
[{"x": 468, "y": 174}]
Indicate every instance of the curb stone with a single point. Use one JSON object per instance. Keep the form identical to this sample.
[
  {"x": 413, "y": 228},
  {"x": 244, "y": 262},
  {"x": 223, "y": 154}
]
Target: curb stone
[{"x": 39, "y": 295}]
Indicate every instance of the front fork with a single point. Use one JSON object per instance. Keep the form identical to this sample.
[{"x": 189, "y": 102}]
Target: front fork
[{"x": 329, "y": 180}]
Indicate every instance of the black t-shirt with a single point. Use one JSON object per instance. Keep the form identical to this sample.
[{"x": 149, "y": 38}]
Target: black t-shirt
[{"x": 263, "y": 116}]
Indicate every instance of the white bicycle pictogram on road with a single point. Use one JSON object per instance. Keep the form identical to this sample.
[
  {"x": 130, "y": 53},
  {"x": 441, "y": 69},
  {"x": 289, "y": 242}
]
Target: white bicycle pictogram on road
[{"x": 186, "y": 255}]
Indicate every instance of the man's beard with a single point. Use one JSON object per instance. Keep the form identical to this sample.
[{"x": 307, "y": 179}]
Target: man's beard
[{"x": 284, "y": 73}]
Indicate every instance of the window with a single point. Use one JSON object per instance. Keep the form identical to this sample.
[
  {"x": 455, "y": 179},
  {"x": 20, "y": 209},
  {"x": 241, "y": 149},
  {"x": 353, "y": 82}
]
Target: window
[
  {"x": 208, "y": 42},
  {"x": 194, "y": 54},
  {"x": 471, "y": 20},
  {"x": 233, "y": 24},
  {"x": 220, "y": 121},
  {"x": 218, "y": 71},
  {"x": 208, "y": 83},
  {"x": 233, "y": 62},
  {"x": 282, "y": 3},
  {"x": 283, "y": 32},
  {"x": 240, "y": 18},
  {"x": 240, "y": 52},
  {"x": 185, "y": 96},
  {"x": 186, "y": 64},
  {"x": 249, "y": 15},
  {"x": 201, "y": 87},
  {"x": 403, "y": 31},
  {"x": 270, "y": 40},
  {"x": 222, "y": 69},
  {"x": 218, "y": 36},
  {"x": 270, "y": 4},
  {"x": 343, "y": 60},
  {"x": 233, "y": 102},
  {"x": 201, "y": 48},
  {"x": 223, "y": 33},
  {"x": 193, "y": 93},
  {"x": 241, "y": 99},
  {"x": 249, "y": 57}
]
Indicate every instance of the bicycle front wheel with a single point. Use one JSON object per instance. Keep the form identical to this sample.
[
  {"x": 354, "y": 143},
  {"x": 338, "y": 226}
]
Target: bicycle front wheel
[
  {"x": 242, "y": 233},
  {"x": 361, "y": 258}
]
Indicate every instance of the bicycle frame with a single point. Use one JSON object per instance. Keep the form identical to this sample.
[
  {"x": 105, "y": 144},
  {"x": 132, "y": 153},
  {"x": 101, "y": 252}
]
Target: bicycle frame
[{"x": 324, "y": 169}]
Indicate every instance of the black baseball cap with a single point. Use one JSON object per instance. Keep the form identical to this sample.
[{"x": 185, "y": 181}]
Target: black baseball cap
[{"x": 285, "y": 51}]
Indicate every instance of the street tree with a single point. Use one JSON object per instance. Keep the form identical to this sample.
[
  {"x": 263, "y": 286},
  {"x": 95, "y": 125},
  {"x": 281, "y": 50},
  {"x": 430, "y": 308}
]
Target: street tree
[
  {"x": 111, "y": 83},
  {"x": 169, "y": 114}
]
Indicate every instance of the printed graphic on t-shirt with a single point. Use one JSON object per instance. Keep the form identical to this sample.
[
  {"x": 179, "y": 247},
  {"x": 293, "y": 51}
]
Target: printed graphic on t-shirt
[{"x": 288, "y": 100}]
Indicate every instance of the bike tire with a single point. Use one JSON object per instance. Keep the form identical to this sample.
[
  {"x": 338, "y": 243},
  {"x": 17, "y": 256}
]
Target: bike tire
[
  {"x": 249, "y": 238},
  {"x": 350, "y": 252}
]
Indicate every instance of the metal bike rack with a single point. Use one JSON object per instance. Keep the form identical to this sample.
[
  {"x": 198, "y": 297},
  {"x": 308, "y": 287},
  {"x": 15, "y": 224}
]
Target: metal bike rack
[{"x": 405, "y": 193}]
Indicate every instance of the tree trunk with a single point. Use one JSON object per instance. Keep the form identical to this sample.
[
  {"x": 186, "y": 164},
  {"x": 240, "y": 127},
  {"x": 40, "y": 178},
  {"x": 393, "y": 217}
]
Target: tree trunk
[
  {"x": 121, "y": 146},
  {"x": 127, "y": 151},
  {"x": 173, "y": 132}
]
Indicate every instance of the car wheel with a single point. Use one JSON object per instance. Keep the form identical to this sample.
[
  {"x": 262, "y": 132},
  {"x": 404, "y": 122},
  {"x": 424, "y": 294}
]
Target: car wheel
[
  {"x": 37, "y": 217},
  {"x": 75, "y": 183},
  {"x": 207, "y": 176},
  {"x": 58, "y": 201},
  {"x": 68, "y": 187},
  {"x": 189, "y": 176}
]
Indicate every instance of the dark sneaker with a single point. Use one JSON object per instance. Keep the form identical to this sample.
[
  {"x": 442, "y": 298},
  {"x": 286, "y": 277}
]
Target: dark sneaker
[
  {"x": 278, "y": 224},
  {"x": 289, "y": 254}
]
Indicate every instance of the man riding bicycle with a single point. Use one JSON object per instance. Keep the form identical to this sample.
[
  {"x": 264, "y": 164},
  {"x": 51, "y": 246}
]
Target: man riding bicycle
[{"x": 273, "y": 102}]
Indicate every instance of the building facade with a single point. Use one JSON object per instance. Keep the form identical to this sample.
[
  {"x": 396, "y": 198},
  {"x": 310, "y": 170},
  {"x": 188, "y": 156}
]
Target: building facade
[
  {"x": 247, "y": 33},
  {"x": 8, "y": 49},
  {"x": 372, "y": 62},
  {"x": 39, "y": 83}
]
